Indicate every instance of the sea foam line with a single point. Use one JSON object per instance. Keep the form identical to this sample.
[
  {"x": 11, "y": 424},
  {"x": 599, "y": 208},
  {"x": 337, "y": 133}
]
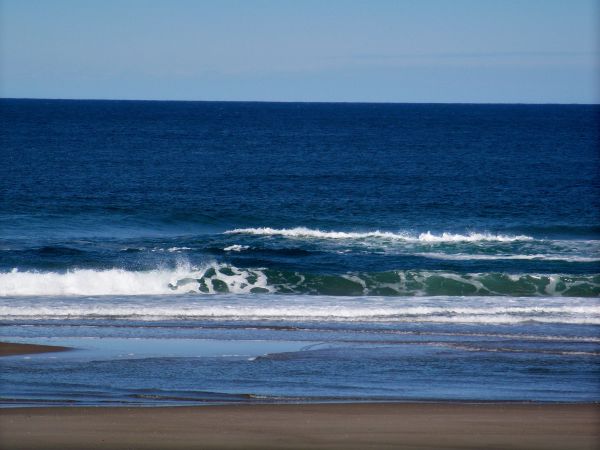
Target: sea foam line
[
  {"x": 332, "y": 312},
  {"x": 303, "y": 232},
  {"x": 475, "y": 257}
]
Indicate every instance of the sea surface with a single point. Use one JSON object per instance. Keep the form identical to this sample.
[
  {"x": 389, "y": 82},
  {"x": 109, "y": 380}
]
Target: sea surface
[{"x": 213, "y": 252}]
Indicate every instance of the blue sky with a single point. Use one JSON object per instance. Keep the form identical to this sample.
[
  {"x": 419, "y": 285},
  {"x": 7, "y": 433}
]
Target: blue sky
[{"x": 525, "y": 51}]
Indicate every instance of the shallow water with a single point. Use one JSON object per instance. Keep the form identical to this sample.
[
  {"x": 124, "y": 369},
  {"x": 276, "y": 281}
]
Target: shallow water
[{"x": 266, "y": 348}]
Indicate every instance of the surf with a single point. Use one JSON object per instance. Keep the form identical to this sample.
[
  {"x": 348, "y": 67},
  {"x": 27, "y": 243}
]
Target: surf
[
  {"x": 445, "y": 309},
  {"x": 220, "y": 278}
]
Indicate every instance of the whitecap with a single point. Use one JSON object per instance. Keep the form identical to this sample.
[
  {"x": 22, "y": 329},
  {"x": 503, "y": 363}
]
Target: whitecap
[
  {"x": 236, "y": 248},
  {"x": 303, "y": 232}
]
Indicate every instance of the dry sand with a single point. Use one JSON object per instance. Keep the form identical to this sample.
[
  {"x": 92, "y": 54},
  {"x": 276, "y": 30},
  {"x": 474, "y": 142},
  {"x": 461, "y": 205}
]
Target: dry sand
[{"x": 322, "y": 426}]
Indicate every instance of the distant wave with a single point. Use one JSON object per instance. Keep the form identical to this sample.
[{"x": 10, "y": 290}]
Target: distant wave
[
  {"x": 476, "y": 257},
  {"x": 235, "y": 248},
  {"x": 222, "y": 278},
  {"x": 302, "y": 232}
]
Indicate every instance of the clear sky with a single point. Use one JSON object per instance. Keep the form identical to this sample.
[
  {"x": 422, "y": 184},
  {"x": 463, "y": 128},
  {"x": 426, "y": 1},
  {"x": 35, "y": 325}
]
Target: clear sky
[{"x": 525, "y": 51}]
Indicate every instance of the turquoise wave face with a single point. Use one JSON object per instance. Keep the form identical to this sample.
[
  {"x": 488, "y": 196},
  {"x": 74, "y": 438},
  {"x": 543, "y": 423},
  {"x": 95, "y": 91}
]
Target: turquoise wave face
[
  {"x": 225, "y": 279},
  {"x": 218, "y": 278}
]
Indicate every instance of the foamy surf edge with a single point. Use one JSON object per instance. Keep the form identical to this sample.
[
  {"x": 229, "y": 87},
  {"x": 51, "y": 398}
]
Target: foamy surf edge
[{"x": 475, "y": 310}]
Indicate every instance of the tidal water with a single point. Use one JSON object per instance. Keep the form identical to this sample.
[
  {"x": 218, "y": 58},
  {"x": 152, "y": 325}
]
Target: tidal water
[{"x": 196, "y": 252}]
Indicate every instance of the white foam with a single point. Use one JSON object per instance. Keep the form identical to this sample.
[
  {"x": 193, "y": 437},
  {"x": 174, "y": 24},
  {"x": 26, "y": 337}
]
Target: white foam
[
  {"x": 471, "y": 237},
  {"x": 475, "y": 257},
  {"x": 170, "y": 249},
  {"x": 89, "y": 282},
  {"x": 182, "y": 279},
  {"x": 303, "y": 232},
  {"x": 236, "y": 248},
  {"x": 177, "y": 249},
  {"x": 494, "y": 310}
]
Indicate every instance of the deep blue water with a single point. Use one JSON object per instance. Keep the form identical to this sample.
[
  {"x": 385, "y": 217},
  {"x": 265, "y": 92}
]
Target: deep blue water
[
  {"x": 185, "y": 166},
  {"x": 471, "y": 231}
]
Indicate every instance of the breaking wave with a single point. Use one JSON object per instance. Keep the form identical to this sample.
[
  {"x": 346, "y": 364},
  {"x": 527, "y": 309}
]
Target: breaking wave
[
  {"x": 90, "y": 282},
  {"x": 222, "y": 278},
  {"x": 303, "y": 232}
]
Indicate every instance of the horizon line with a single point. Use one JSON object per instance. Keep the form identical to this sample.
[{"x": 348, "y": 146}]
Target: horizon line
[{"x": 300, "y": 101}]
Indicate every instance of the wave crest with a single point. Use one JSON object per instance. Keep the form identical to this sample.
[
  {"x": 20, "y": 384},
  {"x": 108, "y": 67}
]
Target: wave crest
[{"x": 303, "y": 232}]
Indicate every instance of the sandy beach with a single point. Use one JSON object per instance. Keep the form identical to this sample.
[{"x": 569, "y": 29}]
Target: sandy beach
[
  {"x": 321, "y": 426},
  {"x": 11, "y": 349}
]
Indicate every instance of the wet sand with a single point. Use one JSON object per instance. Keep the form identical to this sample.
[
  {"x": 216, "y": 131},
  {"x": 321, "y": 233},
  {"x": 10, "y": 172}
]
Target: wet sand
[
  {"x": 412, "y": 426},
  {"x": 11, "y": 349}
]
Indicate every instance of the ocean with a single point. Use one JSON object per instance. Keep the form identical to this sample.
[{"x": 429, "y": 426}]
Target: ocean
[{"x": 215, "y": 252}]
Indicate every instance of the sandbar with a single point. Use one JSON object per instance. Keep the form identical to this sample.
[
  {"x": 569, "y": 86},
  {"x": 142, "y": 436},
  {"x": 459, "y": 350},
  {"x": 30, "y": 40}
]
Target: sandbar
[{"x": 12, "y": 348}]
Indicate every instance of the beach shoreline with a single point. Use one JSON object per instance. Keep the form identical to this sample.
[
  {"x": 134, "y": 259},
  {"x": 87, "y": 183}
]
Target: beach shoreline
[
  {"x": 403, "y": 425},
  {"x": 306, "y": 426}
]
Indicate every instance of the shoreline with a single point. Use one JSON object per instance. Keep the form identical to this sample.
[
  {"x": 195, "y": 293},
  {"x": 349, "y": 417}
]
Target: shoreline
[
  {"x": 15, "y": 349},
  {"x": 306, "y": 426},
  {"x": 507, "y": 425}
]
